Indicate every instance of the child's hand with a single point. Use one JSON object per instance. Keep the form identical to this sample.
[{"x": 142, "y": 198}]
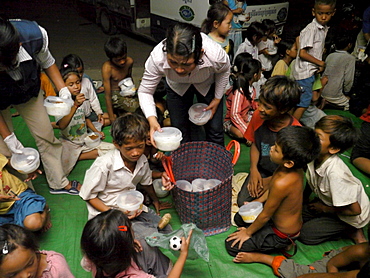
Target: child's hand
[
  {"x": 33, "y": 175},
  {"x": 136, "y": 214},
  {"x": 167, "y": 184},
  {"x": 101, "y": 119},
  {"x": 138, "y": 246},
  {"x": 7, "y": 198},
  {"x": 80, "y": 98},
  {"x": 276, "y": 39},
  {"x": 158, "y": 155},
  {"x": 240, "y": 236},
  {"x": 317, "y": 207},
  {"x": 185, "y": 243},
  {"x": 102, "y": 135},
  {"x": 255, "y": 185}
]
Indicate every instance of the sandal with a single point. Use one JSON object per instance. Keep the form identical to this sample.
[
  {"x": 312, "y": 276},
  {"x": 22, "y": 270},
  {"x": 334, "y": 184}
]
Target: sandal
[{"x": 72, "y": 191}]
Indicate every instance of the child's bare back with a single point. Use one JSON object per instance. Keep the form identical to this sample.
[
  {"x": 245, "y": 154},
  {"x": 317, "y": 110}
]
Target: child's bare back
[{"x": 286, "y": 191}]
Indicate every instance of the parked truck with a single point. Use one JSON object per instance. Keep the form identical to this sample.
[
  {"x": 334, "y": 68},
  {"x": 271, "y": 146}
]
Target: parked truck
[{"x": 150, "y": 18}]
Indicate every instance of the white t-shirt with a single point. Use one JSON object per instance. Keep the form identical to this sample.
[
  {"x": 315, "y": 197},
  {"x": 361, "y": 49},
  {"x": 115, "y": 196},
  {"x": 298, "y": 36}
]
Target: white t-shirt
[
  {"x": 108, "y": 177},
  {"x": 335, "y": 185}
]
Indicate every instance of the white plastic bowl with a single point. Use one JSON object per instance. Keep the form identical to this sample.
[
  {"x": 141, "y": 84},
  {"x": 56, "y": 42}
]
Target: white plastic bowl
[
  {"x": 198, "y": 184},
  {"x": 130, "y": 201},
  {"x": 98, "y": 125},
  {"x": 168, "y": 140},
  {"x": 209, "y": 184},
  {"x": 250, "y": 211},
  {"x": 26, "y": 162},
  {"x": 184, "y": 185},
  {"x": 127, "y": 87},
  {"x": 157, "y": 184},
  {"x": 197, "y": 115},
  {"x": 56, "y": 106},
  {"x": 92, "y": 140}
]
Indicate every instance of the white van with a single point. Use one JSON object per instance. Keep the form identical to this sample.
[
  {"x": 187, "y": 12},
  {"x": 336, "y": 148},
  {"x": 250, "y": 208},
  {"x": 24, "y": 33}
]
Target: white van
[{"x": 150, "y": 18}]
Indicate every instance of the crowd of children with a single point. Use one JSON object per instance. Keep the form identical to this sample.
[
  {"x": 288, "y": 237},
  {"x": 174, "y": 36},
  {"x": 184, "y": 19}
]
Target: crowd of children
[{"x": 263, "y": 113}]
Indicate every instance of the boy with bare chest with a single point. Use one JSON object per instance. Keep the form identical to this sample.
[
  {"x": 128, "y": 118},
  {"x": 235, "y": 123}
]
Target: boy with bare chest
[
  {"x": 116, "y": 69},
  {"x": 280, "y": 221}
]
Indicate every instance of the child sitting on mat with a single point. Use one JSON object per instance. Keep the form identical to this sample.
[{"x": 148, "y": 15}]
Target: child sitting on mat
[
  {"x": 342, "y": 207},
  {"x": 347, "y": 262},
  {"x": 124, "y": 169},
  {"x": 279, "y": 95},
  {"x": 19, "y": 204},
  {"x": 280, "y": 221}
]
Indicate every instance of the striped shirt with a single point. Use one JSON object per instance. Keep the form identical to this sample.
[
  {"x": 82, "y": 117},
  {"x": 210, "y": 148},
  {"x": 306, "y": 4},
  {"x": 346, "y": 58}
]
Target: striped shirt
[
  {"x": 313, "y": 39},
  {"x": 44, "y": 57},
  {"x": 215, "y": 69}
]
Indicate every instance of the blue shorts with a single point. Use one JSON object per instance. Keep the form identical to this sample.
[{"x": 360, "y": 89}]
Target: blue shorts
[
  {"x": 28, "y": 204},
  {"x": 306, "y": 85}
]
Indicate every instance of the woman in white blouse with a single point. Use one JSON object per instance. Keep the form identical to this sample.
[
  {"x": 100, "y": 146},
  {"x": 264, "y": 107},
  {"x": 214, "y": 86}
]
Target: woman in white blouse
[{"x": 193, "y": 64}]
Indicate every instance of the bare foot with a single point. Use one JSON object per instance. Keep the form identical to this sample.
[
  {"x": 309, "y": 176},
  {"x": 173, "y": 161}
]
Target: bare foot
[
  {"x": 358, "y": 236},
  {"x": 289, "y": 247},
  {"x": 246, "y": 257},
  {"x": 47, "y": 223}
]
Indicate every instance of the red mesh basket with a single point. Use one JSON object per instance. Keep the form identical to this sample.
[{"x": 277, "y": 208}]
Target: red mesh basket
[{"x": 210, "y": 210}]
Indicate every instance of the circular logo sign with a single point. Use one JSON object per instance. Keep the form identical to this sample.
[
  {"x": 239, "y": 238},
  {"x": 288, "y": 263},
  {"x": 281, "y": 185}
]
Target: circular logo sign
[
  {"x": 186, "y": 13},
  {"x": 282, "y": 14}
]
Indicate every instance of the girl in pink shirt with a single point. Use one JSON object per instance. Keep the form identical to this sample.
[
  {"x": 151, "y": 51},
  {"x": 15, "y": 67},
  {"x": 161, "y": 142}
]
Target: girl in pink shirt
[
  {"x": 110, "y": 250},
  {"x": 20, "y": 257},
  {"x": 240, "y": 102}
]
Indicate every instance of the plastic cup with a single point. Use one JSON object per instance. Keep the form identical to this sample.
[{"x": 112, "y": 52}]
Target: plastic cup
[
  {"x": 130, "y": 201},
  {"x": 169, "y": 139},
  {"x": 26, "y": 162},
  {"x": 56, "y": 106},
  {"x": 92, "y": 140},
  {"x": 157, "y": 184},
  {"x": 250, "y": 211},
  {"x": 98, "y": 125},
  {"x": 197, "y": 115}
]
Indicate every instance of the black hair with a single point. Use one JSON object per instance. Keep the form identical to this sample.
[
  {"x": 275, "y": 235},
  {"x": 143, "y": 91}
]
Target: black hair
[
  {"x": 283, "y": 46},
  {"x": 13, "y": 236},
  {"x": 216, "y": 12},
  {"x": 281, "y": 92},
  {"x": 129, "y": 126},
  {"x": 9, "y": 43},
  {"x": 67, "y": 71},
  {"x": 184, "y": 39},
  {"x": 72, "y": 61},
  {"x": 269, "y": 25},
  {"x": 326, "y": 2},
  {"x": 298, "y": 144},
  {"x": 243, "y": 70},
  {"x": 342, "y": 132},
  {"x": 255, "y": 29},
  {"x": 115, "y": 47},
  {"x": 108, "y": 242}
]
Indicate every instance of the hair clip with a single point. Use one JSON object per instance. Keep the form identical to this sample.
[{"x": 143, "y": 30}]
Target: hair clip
[
  {"x": 122, "y": 228},
  {"x": 65, "y": 65},
  {"x": 235, "y": 68},
  {"x": 5, "y": 249},
  {"x": 193, "y": 44}
]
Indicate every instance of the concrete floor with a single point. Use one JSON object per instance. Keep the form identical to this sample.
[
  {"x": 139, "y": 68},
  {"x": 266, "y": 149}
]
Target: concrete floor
[{"x": 70, "y": 33}]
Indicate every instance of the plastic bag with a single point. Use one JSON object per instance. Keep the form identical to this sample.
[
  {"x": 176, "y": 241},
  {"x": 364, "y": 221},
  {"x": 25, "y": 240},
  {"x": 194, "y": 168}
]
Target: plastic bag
[{"x": 198, "y": 245}]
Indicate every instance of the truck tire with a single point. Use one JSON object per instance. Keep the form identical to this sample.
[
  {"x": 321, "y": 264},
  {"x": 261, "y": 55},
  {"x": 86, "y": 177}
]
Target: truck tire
[{"x": 107, "y": 22}]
